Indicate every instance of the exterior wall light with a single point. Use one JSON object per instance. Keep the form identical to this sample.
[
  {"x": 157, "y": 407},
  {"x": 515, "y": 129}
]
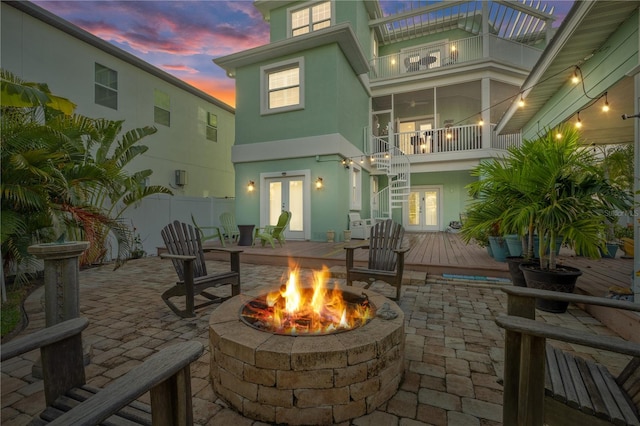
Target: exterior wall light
[
  {"x": 251, "y": 186},
  {"x": 319, "y": 183}
]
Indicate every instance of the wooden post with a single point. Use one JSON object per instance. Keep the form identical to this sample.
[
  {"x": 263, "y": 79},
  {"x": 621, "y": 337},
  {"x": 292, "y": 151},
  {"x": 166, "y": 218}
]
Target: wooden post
[{"x": 61, "y": 279}]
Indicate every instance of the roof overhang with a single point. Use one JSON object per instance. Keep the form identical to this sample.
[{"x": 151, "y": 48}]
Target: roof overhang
[
  {"x": 587, "y": 26},
  {"x": 341, "y": 34}
]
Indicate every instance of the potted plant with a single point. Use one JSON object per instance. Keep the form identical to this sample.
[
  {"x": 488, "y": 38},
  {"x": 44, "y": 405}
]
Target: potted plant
[
  {"x": 572, "y": 200},
  {"x": 549, "y": 189}
]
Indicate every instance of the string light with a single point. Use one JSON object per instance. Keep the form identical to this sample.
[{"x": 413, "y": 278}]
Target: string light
[
  {"x": 605, "y": 107},
  {"x": 575, "y": 79},
  {"x": 579, "y": 122},
  {"x": 521, "y": 102},
  {"x": 481, "y": 122},
  {"x": 558, "y": 135}
]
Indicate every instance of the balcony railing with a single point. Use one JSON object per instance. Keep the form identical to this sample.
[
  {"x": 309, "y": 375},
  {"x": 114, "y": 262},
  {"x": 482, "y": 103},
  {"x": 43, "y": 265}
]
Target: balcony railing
[
  {"x": 445, "y": 139},
  {"x": 437, "y": 56}
]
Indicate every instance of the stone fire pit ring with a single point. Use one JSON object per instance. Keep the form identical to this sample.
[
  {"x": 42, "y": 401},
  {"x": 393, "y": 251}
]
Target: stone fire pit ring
[{"x": 305, "y": 379}]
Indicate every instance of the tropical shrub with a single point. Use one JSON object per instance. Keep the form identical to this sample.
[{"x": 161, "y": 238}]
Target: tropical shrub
[
  {"x": 63, "y": 174},
  {"x": 551, "y": 187}
]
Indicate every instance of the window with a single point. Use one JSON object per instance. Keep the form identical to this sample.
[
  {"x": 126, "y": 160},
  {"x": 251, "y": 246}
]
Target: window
[
  {"x": 161, "y": 108},
  {"x": 212, "y": 127},
  {"x": 355, "y": 196},
  {"x": 310, "y": 18},
  {"x": 106, "y": 87},
  {"x": 282, "y": 86}
]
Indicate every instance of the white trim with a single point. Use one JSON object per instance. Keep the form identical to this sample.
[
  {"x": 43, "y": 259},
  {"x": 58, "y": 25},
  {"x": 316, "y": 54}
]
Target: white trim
[
  {"x": 355, "y": 171},
  {"x": 264, "y": 85}
]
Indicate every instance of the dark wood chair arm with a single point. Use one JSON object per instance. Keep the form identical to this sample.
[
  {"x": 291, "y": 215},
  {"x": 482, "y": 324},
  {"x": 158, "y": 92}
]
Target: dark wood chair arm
[
  {"x": 150, "y": 375},
  {"x": 44, "y": 337},
  {"x": 357, "y": 245},
  {"x": 549, "y": 331},
  {"x": 177, "y": 257},
  {"x": 571, "y": 297},
  {"x": 402, "y": 250},
  {"x": 230, "y": 250}
]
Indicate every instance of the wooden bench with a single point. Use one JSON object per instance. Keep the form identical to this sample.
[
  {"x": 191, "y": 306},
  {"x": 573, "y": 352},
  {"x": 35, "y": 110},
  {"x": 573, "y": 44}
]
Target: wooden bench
[
  {"x": 572, "y": 391},
  {"x": 71, "y": 402}
]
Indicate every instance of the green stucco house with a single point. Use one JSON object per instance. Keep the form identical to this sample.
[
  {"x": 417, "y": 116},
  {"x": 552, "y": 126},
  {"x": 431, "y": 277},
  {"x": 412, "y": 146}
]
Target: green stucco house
[{"x": 388, "y": 109}]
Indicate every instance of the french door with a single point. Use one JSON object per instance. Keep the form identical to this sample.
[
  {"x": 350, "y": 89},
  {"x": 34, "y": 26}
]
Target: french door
[
  {"x": 424, "y": 209},
  {"x": 285, "y": 194}
]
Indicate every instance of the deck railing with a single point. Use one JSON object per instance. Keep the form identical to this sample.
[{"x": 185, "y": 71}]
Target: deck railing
[
  {"x": 444, "y": 139},
  {"x": 449, "y": 53}
]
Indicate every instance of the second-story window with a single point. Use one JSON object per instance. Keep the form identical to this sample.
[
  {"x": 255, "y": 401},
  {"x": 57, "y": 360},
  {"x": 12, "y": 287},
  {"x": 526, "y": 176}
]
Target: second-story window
[
  {"x": 283, "y": 86},
  {"x": 212, "y": 127},
  {"x": 161, "y": 108},
  {"x": 310, "y": 18},
  {"x": 106, "y": 86}
]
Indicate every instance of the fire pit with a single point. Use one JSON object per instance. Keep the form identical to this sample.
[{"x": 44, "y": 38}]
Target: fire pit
[{"x": 276, "y": 362}]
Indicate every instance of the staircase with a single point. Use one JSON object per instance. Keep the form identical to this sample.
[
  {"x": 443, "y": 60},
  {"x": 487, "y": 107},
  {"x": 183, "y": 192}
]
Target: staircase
[{"x": 395, "y": 164}]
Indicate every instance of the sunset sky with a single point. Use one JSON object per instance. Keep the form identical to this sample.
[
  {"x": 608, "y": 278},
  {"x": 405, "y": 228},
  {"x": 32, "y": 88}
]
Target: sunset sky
[{"x": 183, "y": 37}]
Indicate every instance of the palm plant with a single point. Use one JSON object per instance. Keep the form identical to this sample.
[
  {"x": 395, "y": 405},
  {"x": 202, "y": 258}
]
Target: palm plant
[
  {"x": 550, "y": 186},
  {"x": 63, "y": 174}
]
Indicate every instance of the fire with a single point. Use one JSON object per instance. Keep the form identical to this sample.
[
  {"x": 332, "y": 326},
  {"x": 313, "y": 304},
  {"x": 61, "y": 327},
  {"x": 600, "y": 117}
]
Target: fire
[{"x": 297, "y": 309}]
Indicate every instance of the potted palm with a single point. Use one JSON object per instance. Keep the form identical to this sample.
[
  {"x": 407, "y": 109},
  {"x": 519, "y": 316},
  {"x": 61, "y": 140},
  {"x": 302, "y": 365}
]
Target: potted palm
[
  {"x": 548, "y": 191},
  {"x": 572, "y": 202}
]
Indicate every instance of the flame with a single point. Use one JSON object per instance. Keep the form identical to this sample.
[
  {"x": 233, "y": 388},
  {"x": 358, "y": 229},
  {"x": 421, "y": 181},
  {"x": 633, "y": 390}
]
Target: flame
[{"x": 296, "y": 309}]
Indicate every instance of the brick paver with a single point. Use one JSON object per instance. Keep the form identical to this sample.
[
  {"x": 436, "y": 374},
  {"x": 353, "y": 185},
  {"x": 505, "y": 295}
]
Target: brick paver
[{"x": 453, "y": 360}]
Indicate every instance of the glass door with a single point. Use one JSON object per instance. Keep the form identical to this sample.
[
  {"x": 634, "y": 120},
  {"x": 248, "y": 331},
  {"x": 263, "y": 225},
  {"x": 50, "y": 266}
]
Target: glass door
[
  {"x": 286, "y": 194},
  {"x": 424, "y": 210}
]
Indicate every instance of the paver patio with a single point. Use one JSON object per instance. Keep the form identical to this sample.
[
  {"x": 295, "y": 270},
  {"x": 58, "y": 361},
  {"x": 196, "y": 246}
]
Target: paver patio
[{"x": 453, "y": 359}]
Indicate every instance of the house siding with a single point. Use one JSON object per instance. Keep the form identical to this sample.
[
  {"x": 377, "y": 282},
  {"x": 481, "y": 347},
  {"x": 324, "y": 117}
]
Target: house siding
[{"x": 35, "y": 51}]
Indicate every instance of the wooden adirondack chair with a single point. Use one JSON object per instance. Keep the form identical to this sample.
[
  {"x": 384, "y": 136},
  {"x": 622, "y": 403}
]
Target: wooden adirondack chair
[
  {"x": 273, "y": 233},
  {"x": 70, "y": 401},
  {"x": 386, "y": 256},
  {"x": 185, "y": 250}
]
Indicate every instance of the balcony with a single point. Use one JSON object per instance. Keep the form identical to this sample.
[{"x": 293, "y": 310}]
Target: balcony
[
  {"x": 442, "y": 140},
  {"x": 452, "y": 53}
]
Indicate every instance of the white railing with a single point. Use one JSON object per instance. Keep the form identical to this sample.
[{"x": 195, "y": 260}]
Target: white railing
[
  {"x": 437, "y": 56},
  {"x": 505, "y": 141},
  {"x": 431, "y": 57},
  {"x": 380, "y": 204},
  {"x": 516, "y": 53},
  {"x": 445, "y": 139}
]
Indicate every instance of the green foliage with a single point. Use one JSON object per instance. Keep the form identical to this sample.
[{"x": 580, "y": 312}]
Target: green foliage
[
  {"x": 64, "y": 173},
  {"x": 550, "y": 186}
]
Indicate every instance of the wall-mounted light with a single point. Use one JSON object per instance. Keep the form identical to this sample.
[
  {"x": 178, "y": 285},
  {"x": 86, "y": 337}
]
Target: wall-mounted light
[
  {"x": 251, "y": 186},
  {"x": 319, "y": 183}
]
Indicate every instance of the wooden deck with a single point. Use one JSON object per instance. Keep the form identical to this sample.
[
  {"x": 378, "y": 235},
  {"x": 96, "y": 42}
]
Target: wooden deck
[{"x": 437, "y": 253}]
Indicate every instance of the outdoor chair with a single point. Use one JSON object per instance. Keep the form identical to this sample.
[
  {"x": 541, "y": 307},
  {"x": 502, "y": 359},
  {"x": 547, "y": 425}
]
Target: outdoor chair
[
  {"x": 386, "y": 256},
  {"x": 546, "y": 385},
  {"x": 70, "y": 401},
  {"x": 184, "y": 248},
  {"x": 212, "y": 231},
  {"x": 272, "y": 233},
  {"x": 229, "y": 227},
  {"x": 360, "y": 228}
]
